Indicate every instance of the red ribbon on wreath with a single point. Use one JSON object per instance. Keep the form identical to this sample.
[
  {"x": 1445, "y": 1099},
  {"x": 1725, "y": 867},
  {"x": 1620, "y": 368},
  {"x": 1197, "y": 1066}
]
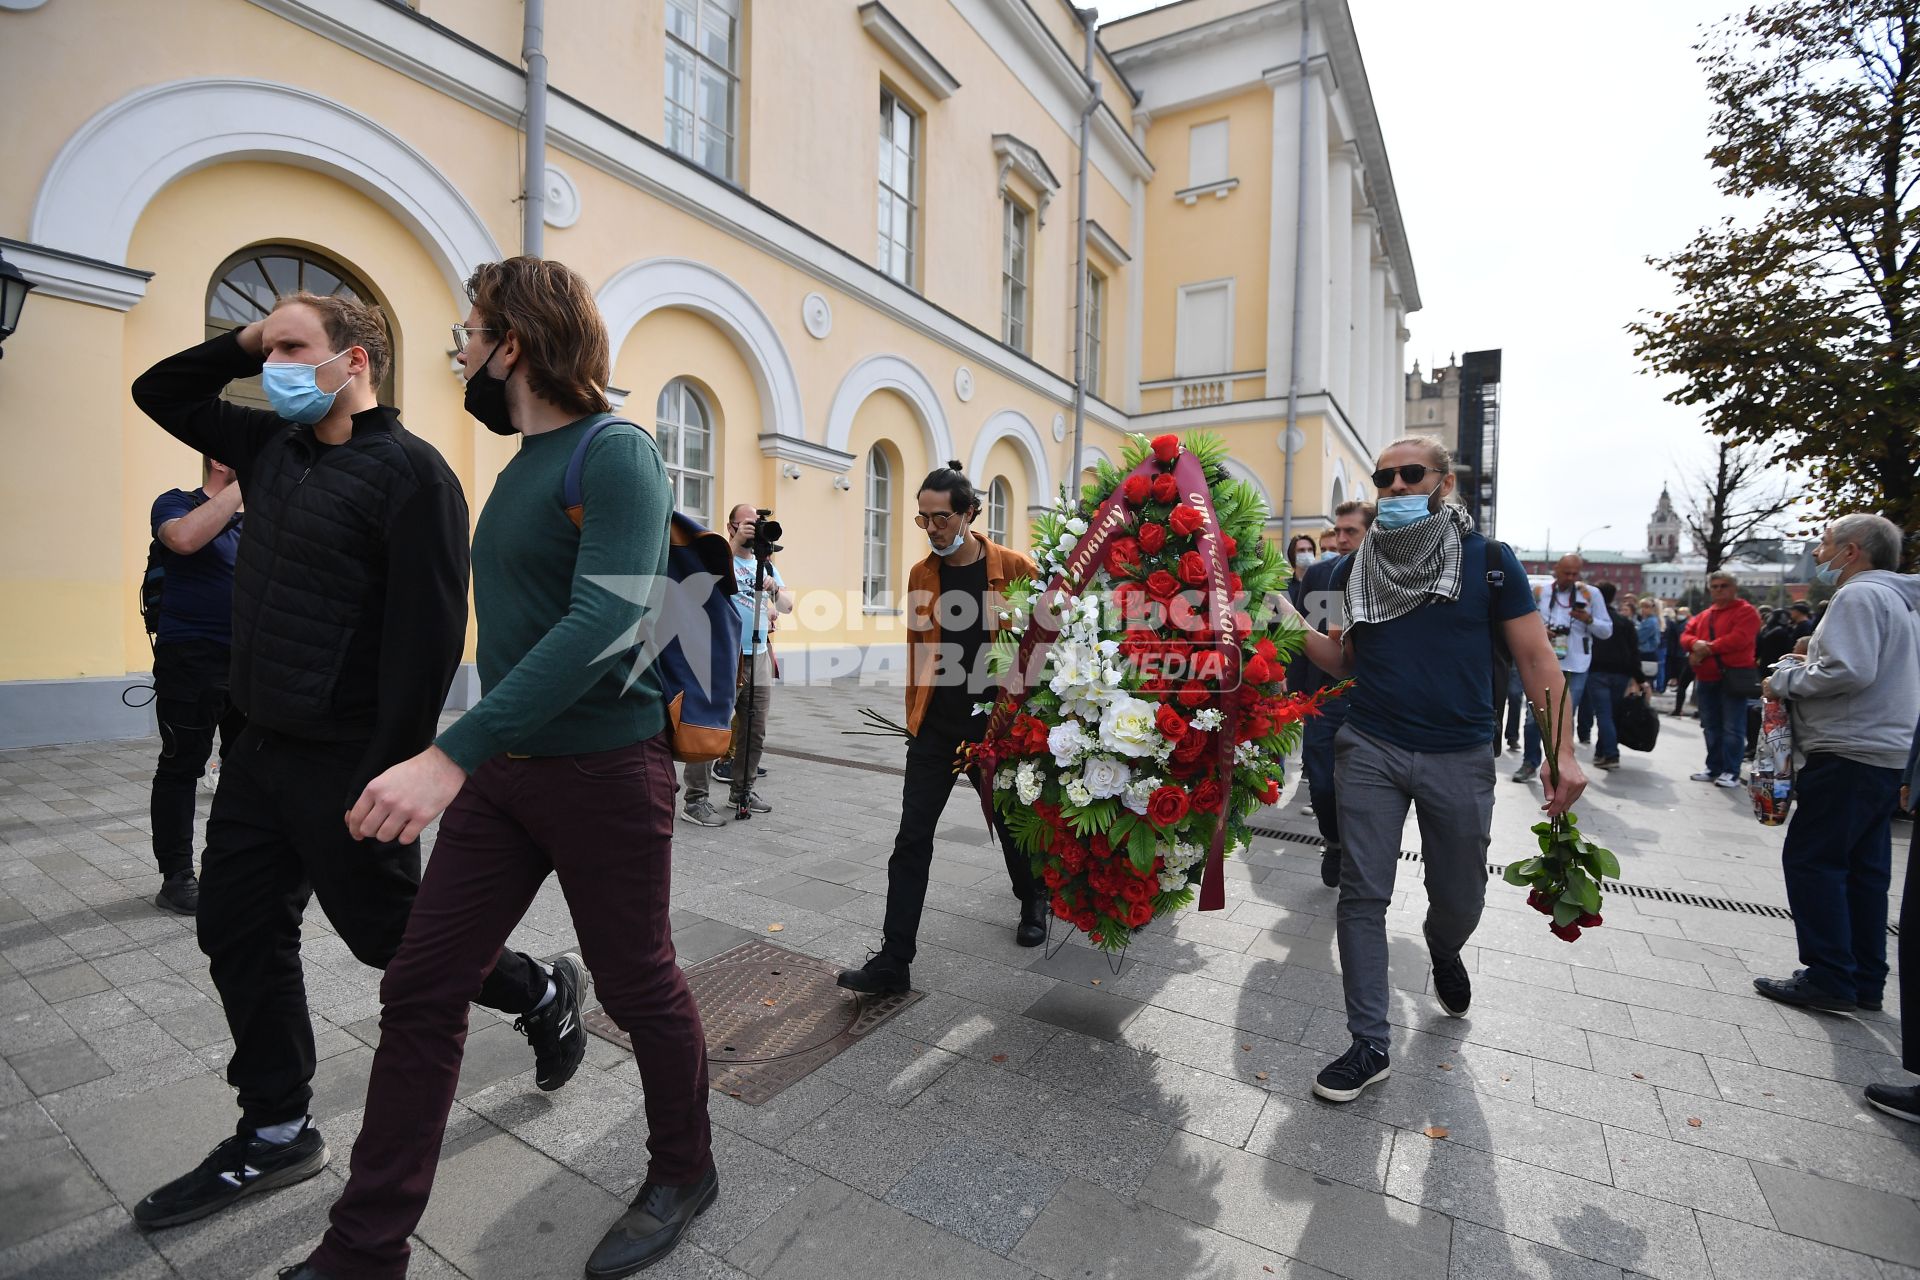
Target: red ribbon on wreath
[{"x": 1113, "y": 517}]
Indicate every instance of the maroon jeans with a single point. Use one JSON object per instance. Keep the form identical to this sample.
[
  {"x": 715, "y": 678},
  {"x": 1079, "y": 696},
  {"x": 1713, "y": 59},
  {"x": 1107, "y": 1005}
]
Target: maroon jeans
[{"x": 604, "y": 823}]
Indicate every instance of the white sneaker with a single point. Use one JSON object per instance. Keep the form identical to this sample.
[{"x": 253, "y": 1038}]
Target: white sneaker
[
  {"x": 1705, "y": 775},
  {"x": 1727, "y": 780}
]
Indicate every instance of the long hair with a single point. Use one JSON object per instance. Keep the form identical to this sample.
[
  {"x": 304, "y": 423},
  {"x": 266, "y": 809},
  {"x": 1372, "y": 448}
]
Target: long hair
[
  {"x": 952, "y": 481},
  {"x": 552, "y": 311}
]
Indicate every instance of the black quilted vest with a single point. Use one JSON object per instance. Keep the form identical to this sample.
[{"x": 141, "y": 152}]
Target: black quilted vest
[{"x": 309, "y": 584}]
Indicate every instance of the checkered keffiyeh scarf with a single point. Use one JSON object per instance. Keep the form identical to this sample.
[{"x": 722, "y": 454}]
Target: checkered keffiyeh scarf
[{"x": 1398, "y": 570}]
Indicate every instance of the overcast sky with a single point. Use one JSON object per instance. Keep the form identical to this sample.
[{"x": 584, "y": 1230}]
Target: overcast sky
[{"x": 1541, "y": 153}]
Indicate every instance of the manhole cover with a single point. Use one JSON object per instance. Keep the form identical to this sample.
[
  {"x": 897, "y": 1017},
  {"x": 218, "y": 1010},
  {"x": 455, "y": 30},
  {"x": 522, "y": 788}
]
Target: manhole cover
[{"x": 771, "y": 1017}]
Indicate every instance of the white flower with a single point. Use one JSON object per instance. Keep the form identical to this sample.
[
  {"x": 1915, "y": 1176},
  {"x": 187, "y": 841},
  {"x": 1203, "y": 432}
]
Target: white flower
[
  {"x": 1076, "y": 526},
  {"x": 1068, "y": 742},
  {"x": 1068, "y": 542},
  {"x": 1183, "y": 855},
  {"x": 983, "y": 708},
  {"x": 1026, "y": 782},
  {"x": 1078, "y": 795},
  {"x": 1104, "y": 776},
  {"x": 1246, "y": 753},
  {"x": 1003, "y": 780},
  {"x": 1172, "y": 881},
  {"x": 1163, "y": 750},
  {"x": 1208, "y": 719},
  {"x": 1138, "y": 792},
  {"x": 1127, "y": 727}
]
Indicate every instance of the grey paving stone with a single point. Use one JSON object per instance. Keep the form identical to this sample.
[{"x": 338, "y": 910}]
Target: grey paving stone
[
  {"x": 1483, "y": 1254},
  {"x": 1472, "y": 1118},
  {"x": 45, "y": 1193},
  {"x": 1789, "y": 1093},
  {"x": 1088, "y": 1233},
  {"x": 56, "y": 985},
  {"x": 755, "y": 1183},
  {"x": 1864, "y": 1155},
  {"x": 1787, "y": 1052},
  {"x": 594, "y": 1126},
  {"x": 973, "y": 1030},
  {"x": 1084, "y": 1010},
  {"x": 58, "y": 1066},
  {"x": 1247, "y": 1008},
  {"x": 100, "y": 1246},
  {"x": 866, "y": 1146},
  {"x": 1170, "y": 1092},
  {"x": 780, "y": 1117},
  {"x": 1275, "y": 1206},
  {"x": 983, "y": 981},
  {"x": 977, "y": 1191},
  {"x": 1841, "y": 1214},
  {"x": 1323, "y": 1139},
  {"x": 889, "y": 1067},
  {"x": 134, "y": 1044},
  {"x": 1651, "y": 1064},
  {"x": 502, "y": 1209},
  {"x": 1690, "y": 1032},
  {"x": 832, "y": 1230},
  {"x": 707, "y": 939},
  {"x": 1074, "y": 963},
  {"x": 1617, "y": 1227},
  {"x": 1742, "y": 1250},
  {"x": 32, "y": 1029},
  {"x": 1687, "y": 1175},
  {"x": 139, "y": 1142}
]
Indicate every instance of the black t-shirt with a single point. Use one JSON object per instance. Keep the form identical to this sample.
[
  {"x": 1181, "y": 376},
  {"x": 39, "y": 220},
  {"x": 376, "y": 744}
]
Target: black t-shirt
[{"x": 961, "y": 613}]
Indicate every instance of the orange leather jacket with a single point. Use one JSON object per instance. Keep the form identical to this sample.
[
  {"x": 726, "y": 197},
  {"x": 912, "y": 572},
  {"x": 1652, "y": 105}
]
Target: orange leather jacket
[{"x": 1004, "y": 565}]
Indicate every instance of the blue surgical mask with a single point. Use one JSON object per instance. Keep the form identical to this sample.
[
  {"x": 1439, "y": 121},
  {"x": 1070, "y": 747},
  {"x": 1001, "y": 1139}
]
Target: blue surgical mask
[
  {"x": 294, "y": 393},
  {"x": 1826, "y": 574},
  {"x": 1398, "y": 512},
  {"x": 1329, "y": 555},
  {"x": 949, "y": 549}
]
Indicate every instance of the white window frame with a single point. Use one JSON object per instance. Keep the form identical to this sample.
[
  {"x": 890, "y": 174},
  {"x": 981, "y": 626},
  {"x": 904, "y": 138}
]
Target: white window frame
[
  {"x": 895, "y": 258},
  {"x": 1183, "y": 356},
  {"x": 697, "y": 125},
  {"x": 678, "y": 472},
  {"x": 876, "y": 572},
  {"x": 1016, "y": 277},
  {"x": 1096, "y": 321},
  {"x": 999, "y": 503},
  {"x": 1196, "y": 176}
]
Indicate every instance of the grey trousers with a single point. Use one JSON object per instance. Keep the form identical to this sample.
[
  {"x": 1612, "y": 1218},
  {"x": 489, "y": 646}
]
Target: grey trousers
[
  {"x": 1452, "y": 796},
  {"x": 746, "y": 755}
]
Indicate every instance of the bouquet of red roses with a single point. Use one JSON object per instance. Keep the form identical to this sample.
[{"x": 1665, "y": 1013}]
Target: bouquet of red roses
[{"x": 1143, "y": 723}]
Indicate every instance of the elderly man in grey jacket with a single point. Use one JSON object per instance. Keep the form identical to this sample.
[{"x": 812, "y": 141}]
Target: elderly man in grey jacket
[{"x": 1853, "y": 705}]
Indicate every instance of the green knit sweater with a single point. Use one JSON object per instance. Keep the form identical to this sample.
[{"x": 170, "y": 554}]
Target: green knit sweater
[{"x": 556, "y": 606}]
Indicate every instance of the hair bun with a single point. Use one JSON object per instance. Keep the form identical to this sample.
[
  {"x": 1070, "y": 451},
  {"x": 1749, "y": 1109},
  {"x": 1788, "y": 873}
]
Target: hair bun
[{"x": 953, "y": 464}]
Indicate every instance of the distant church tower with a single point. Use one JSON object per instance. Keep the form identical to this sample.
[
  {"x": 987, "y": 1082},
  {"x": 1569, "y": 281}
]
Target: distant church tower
[{"x": 1663, "y": 531}]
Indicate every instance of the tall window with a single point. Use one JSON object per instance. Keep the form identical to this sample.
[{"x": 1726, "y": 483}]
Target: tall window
[
  {"x": 899, "y": 173},
  {"x": 684, "y": 431},
  {"x": 1207, "y": 153},
  {"x": 1096, "y": 319},
  {"x": 1013, "y": 275},
  {"x": 247, "y": 285},
  {"x": 876, "y": 591},
  {"x": 1203, "y": 330},
  {"x": 999, "y": 498},
  {"x": 703, "y": 85}
]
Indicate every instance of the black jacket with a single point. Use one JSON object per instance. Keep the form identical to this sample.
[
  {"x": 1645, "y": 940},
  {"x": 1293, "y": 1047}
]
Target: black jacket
[
  {"x": 1619, "y": 653},
  {"x": 350, "y": 589}
]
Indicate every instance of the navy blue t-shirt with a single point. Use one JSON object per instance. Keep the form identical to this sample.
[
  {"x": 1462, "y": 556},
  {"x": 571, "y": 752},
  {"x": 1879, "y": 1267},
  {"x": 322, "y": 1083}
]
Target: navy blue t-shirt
[
  {"x": 196, "y": 599},
  {"x": 1424, "y": 681}
]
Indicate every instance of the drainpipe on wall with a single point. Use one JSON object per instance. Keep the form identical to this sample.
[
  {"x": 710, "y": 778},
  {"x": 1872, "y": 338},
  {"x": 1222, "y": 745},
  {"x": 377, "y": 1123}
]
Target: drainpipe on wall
[
  {"x": 1088, "y": 18},
  {"x": 533, "y": 197},
  {"x": 1299, "y": 299}
]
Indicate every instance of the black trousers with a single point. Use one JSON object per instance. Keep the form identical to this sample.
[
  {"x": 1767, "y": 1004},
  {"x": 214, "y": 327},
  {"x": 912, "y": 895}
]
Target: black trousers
[
  {"x": 190, "y": 702},
  {"x": 278, "y": 836},
  {"x": 930, "y": 779},
  {"x": 1910, "y": 955}
]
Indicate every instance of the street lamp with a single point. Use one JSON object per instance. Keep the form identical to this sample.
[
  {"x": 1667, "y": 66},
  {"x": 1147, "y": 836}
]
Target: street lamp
[
  {"x": 13, "y": 295},
  {"x": 1581, "y": 541}
]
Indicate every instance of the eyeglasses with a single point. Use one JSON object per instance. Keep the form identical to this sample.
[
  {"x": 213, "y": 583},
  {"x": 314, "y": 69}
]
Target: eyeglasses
[
  {"x": 1412, "y": 473},
  {"x": 463, "y": 334},
  {"x": 934, "y": 520}
]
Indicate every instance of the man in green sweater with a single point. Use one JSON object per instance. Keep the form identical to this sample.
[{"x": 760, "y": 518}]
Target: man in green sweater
[{"x": 563, "y": 766}]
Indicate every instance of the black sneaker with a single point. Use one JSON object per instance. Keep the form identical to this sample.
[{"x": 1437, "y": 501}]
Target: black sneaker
[
  {"x": 648, "y": 1231},
  {"x": 179, "y": 893},
  {"x": 558, "y": 1038},
  {"x": 723, "y": 770},
  {"x": 303, "y": 1271},
  {"x": 1347, "y": 1077},
  {"x": 240, "y": 1166},
  {"x": 1904, "y": 1103},
  {"x": 880, "y": 976},
  {"x": 1451, "y": 986},
  {"x": 1800, "y": 990},
  {"x": 1330, "y": 866}
]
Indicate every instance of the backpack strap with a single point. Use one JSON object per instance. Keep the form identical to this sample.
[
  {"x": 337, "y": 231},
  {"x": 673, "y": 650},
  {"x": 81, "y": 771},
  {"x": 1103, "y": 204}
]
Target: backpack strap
[{"x": 571, "y": 497}]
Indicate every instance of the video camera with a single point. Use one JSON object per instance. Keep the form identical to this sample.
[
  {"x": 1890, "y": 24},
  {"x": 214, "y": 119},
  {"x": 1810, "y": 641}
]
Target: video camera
[{"x": 766, "y": 534}]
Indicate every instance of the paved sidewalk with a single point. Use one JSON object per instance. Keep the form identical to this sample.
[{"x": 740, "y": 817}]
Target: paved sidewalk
[{"x": 1624, "y": 1104}]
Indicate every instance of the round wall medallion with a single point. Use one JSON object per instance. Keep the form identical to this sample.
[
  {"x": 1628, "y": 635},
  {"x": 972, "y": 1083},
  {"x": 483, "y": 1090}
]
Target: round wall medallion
[
  {"x": 562, "y": 208},
  {"x": 963, "y": 383},
  {"x": 21, "y": 5},
  {"x": 1059, "y": 427},
  {"x": 816, "y": 315}
]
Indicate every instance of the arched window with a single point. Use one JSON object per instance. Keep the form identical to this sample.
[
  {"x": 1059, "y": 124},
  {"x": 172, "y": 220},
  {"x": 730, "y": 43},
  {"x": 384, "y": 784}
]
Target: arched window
[
  {"x": 876, "y": 574},
  {"x": 999, "y": 498},
  {"x": 247, "y": 285},
  {"x": 684, "y": 431},
  {"x": 1339, "y": 494}
]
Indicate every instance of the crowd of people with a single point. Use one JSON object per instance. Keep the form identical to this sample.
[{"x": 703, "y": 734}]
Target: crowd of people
[{"x": 313, "y": 627}]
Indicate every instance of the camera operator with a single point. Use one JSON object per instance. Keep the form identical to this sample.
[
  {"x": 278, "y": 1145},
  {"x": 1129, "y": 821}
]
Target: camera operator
[
  {"x": 1575, "y": 618},
  {"x": 752, "y": 535}
]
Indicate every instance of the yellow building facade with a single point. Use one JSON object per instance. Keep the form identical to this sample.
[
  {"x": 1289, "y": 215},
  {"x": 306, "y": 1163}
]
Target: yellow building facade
[{"x": 835, "y": 245}]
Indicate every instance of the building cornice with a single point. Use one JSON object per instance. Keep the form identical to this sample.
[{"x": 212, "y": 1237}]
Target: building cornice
[
  {"x": 60, "y": 274},
  {"x": 1105, "y": 244},
  {"x": 888, "y": 32},
  {"x": 788, "y": 449},
  {"x": 1235, "y": 26},
  {"x": 1024, "y": 159}
]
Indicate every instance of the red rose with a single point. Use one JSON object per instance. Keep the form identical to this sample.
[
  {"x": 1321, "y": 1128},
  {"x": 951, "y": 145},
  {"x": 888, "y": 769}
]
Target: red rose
[
  {"x": 1185, "y": 520},
  {"x": 1194, "y": 694},
  {"x": 1258, "y": 670},
  {"x": 1139, "y": 913},
  {"x": 1130, "y": 598},
  {"x": 1166, "y": 448},
  {"x": 1136, "y": 891},
  {"x": 1270, "y": 794},
  {"x": 1162, "y": 585},
  {"x": 1227, "y": 545},
  {"x": 1243, "y": 623},
  {"x": 1137, "y": 488},
  {"x": 1540, "y": 902},
  {"x": 1097, "y": 847},
  {"x": 1152, "y": 536},
  {"x": 1172, "y": 725},
  {"x": 1123, "y": 555},
  {"x": 1084, "y": 920},
  {"x": 1054, "y": 877},
  {"x": 1166, "y": 806},
  {"x": 1266, "y": 649},
  {"x": 1061, "y": 908},
  {"x": 1193, "y": 568},
  {"x": 1207, "y": 797},
  {"x": 1564, "y": 932},
  {"x": 1166, "y": 489},
  {"x": 1588, "y": 920},
  {"x": 1234, "y": 585},
  {"x": 1192, "y": 746}
]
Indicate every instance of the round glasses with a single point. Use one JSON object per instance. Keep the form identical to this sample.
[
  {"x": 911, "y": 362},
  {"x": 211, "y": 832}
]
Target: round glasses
[{"x": 936, "y": 519}]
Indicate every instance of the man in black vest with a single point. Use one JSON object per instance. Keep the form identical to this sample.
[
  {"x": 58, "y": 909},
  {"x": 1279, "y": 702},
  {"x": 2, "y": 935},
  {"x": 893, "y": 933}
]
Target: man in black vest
[
  {"x": 349, "y": 615},
  {"x": 198, "y": 534}
]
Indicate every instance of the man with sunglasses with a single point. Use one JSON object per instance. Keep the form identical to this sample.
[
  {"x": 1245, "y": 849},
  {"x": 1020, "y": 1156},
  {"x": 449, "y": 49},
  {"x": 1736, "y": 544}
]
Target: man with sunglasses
[
  {"x": 1575, "y": 616},
  {"x": 756, "y": 657},
  {"x": 1424, "y": 597}
]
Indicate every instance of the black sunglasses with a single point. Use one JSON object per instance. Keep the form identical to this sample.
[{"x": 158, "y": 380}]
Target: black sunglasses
[{"x": 1412, "y": 473}]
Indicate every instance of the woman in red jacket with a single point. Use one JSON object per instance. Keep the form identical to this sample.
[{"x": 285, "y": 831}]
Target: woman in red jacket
[{"x": 1719, "y": 643}]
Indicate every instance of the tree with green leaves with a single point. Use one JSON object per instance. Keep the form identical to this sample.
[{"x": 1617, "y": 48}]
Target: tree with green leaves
[{"x": 1797, "y": 328}]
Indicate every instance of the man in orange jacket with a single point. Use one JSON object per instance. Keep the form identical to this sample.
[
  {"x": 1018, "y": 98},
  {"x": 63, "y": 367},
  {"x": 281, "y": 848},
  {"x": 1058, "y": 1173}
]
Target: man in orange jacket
[
  {"x": 1719, "y": 643},
  {"x": 951, "y": 617}
]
